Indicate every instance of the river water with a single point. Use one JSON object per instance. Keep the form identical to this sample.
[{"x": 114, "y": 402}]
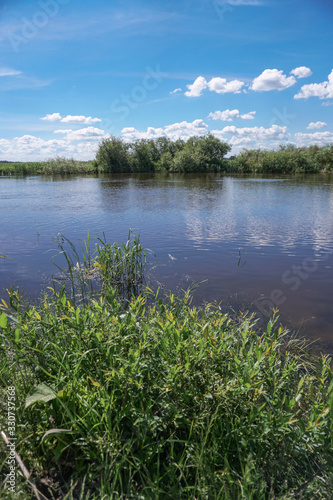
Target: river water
[{"x": 255, "y": 242}]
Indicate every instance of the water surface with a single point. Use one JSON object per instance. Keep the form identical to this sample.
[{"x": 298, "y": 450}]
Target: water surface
[{"x": 258, "y": 242}]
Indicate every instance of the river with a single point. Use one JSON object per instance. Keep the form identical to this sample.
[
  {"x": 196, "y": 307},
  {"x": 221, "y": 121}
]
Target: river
[{"x": 254, "y": 242}]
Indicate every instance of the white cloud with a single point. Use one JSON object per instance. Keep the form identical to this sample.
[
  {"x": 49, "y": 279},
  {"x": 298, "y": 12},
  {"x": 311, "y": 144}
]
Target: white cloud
[
  {"x": 317, "y": 125},
  {"x": 182, "y": 130},
  {"x": 222, "y": 86},
  {"x": 217, "y": 84},
  {"x": 248, "y": 116},
  {"x": 256, "y": 133},
  {"x": 327, "y": 103},
  {"x": 31, "y": 148},
  {"x": 196, "y": 88},
  {"x": 176, "y": 90},
  {"x": 9, "y": 72},
  {"x": 301, "y": 72},
  {"x": 228, "y": 115},
  {"x": 320, "y": 138},
  {"x": 87, "y": 134},
  {"x": 86, "y": 120},
  {"x": 272, "y": 79},
  {"x": 52, "y": 118},
  {"x": 252, "y": 137},
  {"x": 323, "y": 90}
]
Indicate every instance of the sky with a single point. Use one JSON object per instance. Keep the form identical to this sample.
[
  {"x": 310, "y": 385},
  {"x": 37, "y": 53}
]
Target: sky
[{"x": 254, "y": 73}]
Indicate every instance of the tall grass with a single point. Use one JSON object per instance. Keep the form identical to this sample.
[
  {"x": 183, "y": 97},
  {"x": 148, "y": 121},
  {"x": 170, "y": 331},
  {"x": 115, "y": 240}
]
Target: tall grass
[
  {"x": 56, "y": 165},
  {"x": 119, "y": 268},
  {"x": 162, "y": 400}
]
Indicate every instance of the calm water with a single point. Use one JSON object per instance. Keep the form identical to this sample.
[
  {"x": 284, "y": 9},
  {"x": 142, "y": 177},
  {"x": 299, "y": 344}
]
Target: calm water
[{"x": 258, "y": 242}]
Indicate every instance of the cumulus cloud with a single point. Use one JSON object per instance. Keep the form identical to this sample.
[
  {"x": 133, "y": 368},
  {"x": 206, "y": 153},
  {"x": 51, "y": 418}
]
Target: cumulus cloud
[
  {"x": 182, "y": 130},
  {"x": 222, "y": 86},
  {"x": 31, "y": 148},
  {"x": 255, "y": 133},
  {"x": 229, "y": 115},
  {"x": 272, "y": 79},
  {"x": 176, "y": 90},
  {"x": 323, "y": 90},
  {"x": 317, "y": 125},
  {"x": 301, "y": 72},
  {"x": 195, "y": 89},
  {"x": 319, "y": 138},
  {"x": 217, "y": 84},
  {"x": 87, "y": 134},
  {"x": 9, "y": 72},
  {"x": 83, "y": 120},
  {"x": 252, "y": 137},
  {"x": 52, "y": 118}
]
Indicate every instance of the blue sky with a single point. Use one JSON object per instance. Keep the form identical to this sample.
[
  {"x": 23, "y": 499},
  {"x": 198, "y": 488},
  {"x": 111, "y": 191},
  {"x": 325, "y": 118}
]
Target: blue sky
[{"x": 255, "y": 73}]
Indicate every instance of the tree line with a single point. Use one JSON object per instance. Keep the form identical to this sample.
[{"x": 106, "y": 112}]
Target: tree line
[
  {"x": 197, "y": 154},
  {"x": 207, "y": 154}
]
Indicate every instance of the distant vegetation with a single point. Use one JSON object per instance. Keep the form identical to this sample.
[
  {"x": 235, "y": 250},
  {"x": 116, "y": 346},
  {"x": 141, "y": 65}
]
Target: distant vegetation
[
  {"x": 197, "y": 154},
  {"x": 284, "y": 160},
  {"x": 52, "y": 166},
  {"x": 120, "y": 393}
]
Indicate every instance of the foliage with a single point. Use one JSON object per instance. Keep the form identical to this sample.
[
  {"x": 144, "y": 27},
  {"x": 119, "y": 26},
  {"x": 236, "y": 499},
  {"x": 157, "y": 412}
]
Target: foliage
[
  {"x": 287, "y": 159},
  {"x": 197, "y": 154},
  {"x": 155, "y": 398},
  {"x": 113, "y": 156}
]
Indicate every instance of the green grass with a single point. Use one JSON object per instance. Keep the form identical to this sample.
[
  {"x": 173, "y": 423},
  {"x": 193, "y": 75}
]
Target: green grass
[
  {"x": 56, "y": 165},
  {"x": 154, "y": 398}
]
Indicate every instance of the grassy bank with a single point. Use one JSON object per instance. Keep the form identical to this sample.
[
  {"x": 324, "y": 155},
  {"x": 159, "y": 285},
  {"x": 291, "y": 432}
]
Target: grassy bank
[
  {"x": 126, "y": 394},
  {"x": 51, "y": 166}
]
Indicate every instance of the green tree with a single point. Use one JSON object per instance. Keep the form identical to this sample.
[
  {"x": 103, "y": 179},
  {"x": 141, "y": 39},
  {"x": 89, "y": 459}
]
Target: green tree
[
  {"x": 113, "y": 155},
  {"x": 142, "y": 156}
]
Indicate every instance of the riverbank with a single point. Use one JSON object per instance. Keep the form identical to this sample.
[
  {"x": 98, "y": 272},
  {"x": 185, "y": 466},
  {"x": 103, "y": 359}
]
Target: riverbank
[{"x": 153, "y": 397}]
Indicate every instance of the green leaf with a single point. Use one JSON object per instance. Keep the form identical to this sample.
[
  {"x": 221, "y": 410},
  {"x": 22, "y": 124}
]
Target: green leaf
[
  {"x": 3, "y": 320},
  {"x": 41, "y": 393},
  {"x": 17, "y": 334}
]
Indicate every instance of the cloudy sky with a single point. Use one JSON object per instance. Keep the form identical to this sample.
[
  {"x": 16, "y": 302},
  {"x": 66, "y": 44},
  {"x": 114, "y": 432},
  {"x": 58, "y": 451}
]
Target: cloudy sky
[{"x": 255, "y": 73}]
